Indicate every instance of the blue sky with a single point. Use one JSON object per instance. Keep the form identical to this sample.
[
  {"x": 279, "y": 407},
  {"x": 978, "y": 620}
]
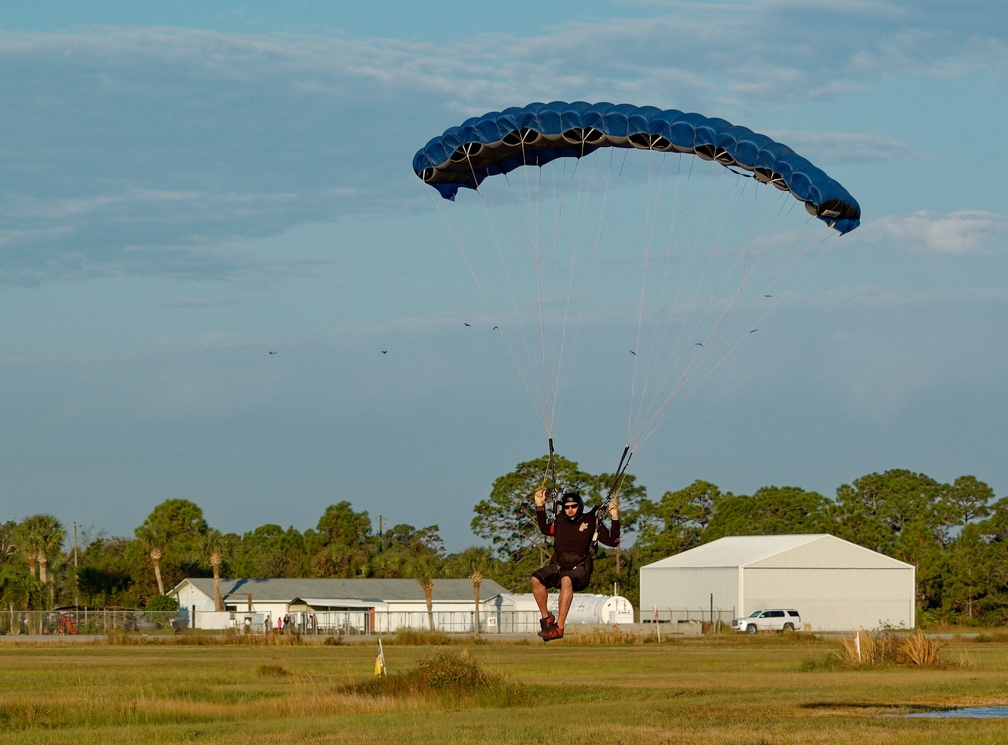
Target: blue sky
[{"x": 188, "y": 186}]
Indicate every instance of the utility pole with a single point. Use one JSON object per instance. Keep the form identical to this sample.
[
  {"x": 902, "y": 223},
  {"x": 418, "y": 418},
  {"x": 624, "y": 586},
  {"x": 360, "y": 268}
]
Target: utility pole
[{"x": 76, "y": 591}]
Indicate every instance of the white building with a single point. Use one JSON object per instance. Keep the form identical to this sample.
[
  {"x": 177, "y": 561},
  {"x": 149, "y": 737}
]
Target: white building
[
  {"x": 332, "y": 606},
  {"x": 517, "y": 613},
  {"x": 835, "y": 585}
]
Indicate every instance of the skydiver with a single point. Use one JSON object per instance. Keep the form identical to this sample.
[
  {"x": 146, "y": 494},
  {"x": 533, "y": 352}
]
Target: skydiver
[{"x": 570, "y": 567}]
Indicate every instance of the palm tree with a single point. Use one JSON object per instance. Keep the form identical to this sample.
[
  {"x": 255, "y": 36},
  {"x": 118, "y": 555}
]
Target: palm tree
[
  {"x": 475, "y": 562},
  {"x": 42, "y": 537},
  {"x": 428, "y": 588},
  {"x": 214, "y": 547},
  {"x": 423, "y": 567},
  {"x": 477, "y": 580},
  {"x": 154, "y": 538}
]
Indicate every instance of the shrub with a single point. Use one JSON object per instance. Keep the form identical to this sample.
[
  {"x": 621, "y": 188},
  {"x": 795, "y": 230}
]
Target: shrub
[
  {"x": 453, "y": 677},
  {"x": 162, "y": 603}
]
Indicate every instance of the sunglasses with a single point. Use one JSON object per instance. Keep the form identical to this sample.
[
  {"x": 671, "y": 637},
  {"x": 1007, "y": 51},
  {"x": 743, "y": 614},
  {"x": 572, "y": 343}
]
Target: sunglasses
[{"x": 570, "y": 506}]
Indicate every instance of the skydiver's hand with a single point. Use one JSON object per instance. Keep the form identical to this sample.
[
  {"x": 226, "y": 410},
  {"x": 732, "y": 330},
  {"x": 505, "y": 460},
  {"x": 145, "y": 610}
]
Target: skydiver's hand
[
  {"x": 540, "y": 498},
  {"x": 614, "y": 507}
]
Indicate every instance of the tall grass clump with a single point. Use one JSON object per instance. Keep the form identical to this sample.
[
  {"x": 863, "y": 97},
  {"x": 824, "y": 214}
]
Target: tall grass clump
[
  {"x": 919, "y": 650},
  {"x": 603, "y": 636},
  {"x": 451, "y": 678},
  {"x": 417, "y": 638},
  {"x": 875, "y": 649}
]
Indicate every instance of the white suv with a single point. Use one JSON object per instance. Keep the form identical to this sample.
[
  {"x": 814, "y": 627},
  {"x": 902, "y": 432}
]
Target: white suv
[{"x": 773, "y": 619}]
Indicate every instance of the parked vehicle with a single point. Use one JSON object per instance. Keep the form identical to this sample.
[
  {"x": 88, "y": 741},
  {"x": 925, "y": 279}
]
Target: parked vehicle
[{"x": 773, "y": 619}]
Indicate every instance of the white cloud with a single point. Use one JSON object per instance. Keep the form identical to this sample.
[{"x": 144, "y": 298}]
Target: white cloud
[
  {"x": 966, "y": 232},
  {"x": 168, "y": 137}
]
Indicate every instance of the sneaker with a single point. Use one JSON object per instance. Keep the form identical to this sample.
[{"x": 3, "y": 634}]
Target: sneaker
[
  {"x": 545, "y": 623},
  {"x": 553, "y": 632}
]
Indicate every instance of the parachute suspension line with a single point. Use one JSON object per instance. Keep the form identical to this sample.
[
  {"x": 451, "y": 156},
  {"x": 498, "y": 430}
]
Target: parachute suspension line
[
  {"x": 571, "y": 190},
  {"x": 721, "y": 325},
  {"x": 651, "y": 216},
  {"x": 689, "y": 327},
  {"x": 720, "y": 306},
  {"x": 659, "y": 330},
  {"x": 494, "y": 223},
  {"x": 561, "y": 359},
  {"x": 617, "y": 481},
  {"x": 662, "y": 314},
  {"x": 543, "y": 372},
  {"x": 768, "y": 253}
]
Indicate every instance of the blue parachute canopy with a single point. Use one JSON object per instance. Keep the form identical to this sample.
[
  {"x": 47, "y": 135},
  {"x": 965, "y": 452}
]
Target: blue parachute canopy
[{"x": 501, "y": 141}]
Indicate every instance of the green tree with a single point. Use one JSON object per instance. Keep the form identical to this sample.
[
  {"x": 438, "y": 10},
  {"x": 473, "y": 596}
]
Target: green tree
[
  {"x": 339, "y": 546},
  {"x": 969, "y": 576},
  {"x": 993, "y": 540},
  {"x": 42, "y": 538},
  {"x": 875, "y": 508},
  {"x": 182, "y": 523},
  {"x": 270, "y": 551},
  {"x": 507, "y": 517},
  {"x": 18, "y": 591},
  {"x": 399, "y": 545},
  {"x": 105, "y": 576},
  {"x": 8, "y": 542},
  {"x": 917, "y": 545},
  {"x": 676, "y": 522},
  {"x": 968, "y": 500},
  {"x": 771, "y": 510}
]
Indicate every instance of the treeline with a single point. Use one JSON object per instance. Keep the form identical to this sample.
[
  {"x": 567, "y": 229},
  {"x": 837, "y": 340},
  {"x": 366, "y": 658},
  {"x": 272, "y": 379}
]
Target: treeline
[{"x": 955, "y": 534}]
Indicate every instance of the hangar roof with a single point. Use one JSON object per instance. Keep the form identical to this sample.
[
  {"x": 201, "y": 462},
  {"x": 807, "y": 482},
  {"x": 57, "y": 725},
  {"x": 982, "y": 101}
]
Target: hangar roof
[{"x": 817, "y": 549}]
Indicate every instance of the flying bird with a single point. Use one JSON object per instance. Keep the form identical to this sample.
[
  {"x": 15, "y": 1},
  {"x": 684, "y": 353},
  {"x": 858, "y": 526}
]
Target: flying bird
[
  {"x": 698, "y": 344},
  {"x": 633, "y": 353},
  {"x": 467, "y": 324},
  {"x": 496, "y": 328},
  {"x": 271, "y": 351},
  {"x": 754, "y": 331},
  {"x": 384, "y": 351}
]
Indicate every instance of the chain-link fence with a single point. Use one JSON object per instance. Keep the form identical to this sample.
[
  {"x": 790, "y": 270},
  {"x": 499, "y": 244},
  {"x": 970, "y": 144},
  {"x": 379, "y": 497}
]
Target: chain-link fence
[
  {"x": 326, "y": 623},
  {"x": 86, "y": 621},
  {"x": 710, "y": 618}
]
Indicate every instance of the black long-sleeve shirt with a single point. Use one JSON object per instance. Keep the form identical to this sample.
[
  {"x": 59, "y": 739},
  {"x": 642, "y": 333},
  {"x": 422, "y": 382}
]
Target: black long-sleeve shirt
[{"x": 572, "y": 541}]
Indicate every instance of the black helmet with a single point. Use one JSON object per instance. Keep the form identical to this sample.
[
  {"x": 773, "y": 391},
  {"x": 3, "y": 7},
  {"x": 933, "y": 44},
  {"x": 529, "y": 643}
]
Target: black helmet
[{"x": 573, "y": 497}]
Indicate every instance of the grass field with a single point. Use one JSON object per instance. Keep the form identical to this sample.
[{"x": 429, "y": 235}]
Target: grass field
[{"x": 724, "y": 689}]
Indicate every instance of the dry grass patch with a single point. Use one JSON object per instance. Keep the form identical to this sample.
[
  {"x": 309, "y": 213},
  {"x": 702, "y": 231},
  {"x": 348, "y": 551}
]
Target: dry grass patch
[{"x": 874, "y": 649}]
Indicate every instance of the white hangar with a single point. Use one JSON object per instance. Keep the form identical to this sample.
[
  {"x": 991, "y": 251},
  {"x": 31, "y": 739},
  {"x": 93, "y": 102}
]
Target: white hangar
[{"x": 834, "y": 584}]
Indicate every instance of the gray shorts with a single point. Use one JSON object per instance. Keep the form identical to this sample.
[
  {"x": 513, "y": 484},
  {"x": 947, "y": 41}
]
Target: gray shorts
[{"x": 550, "y": 575}]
